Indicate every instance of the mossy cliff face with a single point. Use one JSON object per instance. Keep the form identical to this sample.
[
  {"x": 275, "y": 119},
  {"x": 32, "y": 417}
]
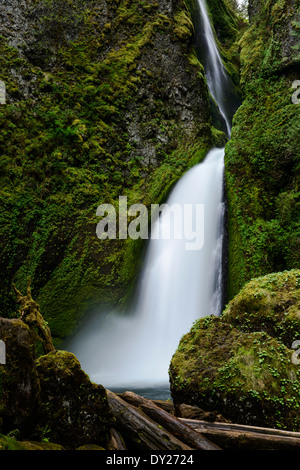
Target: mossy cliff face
[
  {"x": 262, "y": 157},
  {"x": 240, "y": 364},
  {"x": 104, "y": 99}
]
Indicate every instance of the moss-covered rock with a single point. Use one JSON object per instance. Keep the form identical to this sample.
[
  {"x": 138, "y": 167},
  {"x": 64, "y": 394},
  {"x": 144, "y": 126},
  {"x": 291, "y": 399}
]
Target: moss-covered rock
[
  {"x": 90, "y": 447},
  {"x": 74, "y": 410},
  {"x": 19, "y": 382},
  {"x": 8, "y": 443},
  {"x": 234, "y": 366},
  {"x": 262, "y": 157},
  {"x": 270, "y": 303},
  {"x": 36, "y": 445},
  {"x": 49, "y": 399}
]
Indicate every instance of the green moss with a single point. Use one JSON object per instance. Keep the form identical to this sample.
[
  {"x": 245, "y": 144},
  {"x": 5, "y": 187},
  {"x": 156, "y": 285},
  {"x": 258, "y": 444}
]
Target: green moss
[
  {"x": 225, "y": 19},
  {"x": 8, "y": 443},
  {"x": 66, "y": 148},
  {"x": 262, "y": 158},
  {"x": 183, "y": 27},
  {"x": 261, "y": 190},
  {"x": 247, "y": 377},
  {"x": 270, "y": 303},
  {"x": 67, "y": 398}
]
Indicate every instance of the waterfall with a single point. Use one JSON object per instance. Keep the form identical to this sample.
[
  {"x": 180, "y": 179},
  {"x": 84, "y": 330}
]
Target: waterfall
[
  {"x": 177, "y": 286},
  {"x": 216, "y": 75}
]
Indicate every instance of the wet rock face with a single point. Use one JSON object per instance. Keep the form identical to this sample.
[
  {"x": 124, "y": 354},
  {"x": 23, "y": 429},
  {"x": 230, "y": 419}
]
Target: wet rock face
[
  {"x": 37, "y": 31},
  {"x": 171, "y": 89},
  {"x": 13, "y": 20},
  {"x": 282, "y": 19},
  {"x": 19, "y": 16},
  {"x": 116, "y": 91},
  {"x": 51, "y": 394}
]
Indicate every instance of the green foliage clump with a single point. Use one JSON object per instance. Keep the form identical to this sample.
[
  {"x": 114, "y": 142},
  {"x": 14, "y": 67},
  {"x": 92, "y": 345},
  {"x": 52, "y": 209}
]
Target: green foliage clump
[{"x": 8, "y": 443}]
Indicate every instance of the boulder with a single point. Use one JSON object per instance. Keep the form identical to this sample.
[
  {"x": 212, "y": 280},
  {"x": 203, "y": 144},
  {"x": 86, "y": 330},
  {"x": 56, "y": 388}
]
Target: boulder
[
  {"x": 196, "y": 413},
  {"x": 269, "y": 303},
  {"x": 7, "y": 443},
  {"x": 19, "y": 381},
  {"x": 48, "y": 398},
  {"x": 238, "y": 365},
  {"x": 74, "y": 409}
]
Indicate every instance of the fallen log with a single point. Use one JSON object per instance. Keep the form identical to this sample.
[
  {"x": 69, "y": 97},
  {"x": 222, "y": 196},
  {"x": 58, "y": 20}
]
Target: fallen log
[
  {"x": 237, "y": 436},
  {"x": 177, "y": 428},
  {"x": 141, "y": 430},
  {"x": 116, "y": 442},
  {"x": 166, "y": 405}
]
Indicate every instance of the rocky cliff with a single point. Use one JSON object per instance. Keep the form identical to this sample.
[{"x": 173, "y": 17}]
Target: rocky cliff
[
  {"x": 104, "y": 99},
  {"x": 262, "y": 157}
]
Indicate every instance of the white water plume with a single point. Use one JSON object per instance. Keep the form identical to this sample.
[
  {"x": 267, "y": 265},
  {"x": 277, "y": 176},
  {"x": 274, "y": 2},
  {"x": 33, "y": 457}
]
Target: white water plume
[{"x": 177, "y": 286}]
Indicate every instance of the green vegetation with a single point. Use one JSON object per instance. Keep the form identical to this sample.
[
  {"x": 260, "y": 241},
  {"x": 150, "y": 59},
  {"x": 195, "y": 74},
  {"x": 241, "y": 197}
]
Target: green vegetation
[
  {"x": 270, "y": 303},
  {"x": 241, "y": 364},
  {"x": 90, "y": 116},
  {"x": 112, "y": 101},
  {"x": 8, "y": 443},
  {"x": 262, "y": 157}
]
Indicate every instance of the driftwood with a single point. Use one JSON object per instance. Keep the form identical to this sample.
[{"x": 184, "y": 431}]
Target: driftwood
[
  {"x": 116, "y": 441},
  {"x": 237, "y": 436},
  {"x": 151, "y": 425},
  {"x": 140, "y": 429},
  {"x": 30, "y": 314},
  {"x": 177, "y": 428},
  {"x": 166, "y": 405}
]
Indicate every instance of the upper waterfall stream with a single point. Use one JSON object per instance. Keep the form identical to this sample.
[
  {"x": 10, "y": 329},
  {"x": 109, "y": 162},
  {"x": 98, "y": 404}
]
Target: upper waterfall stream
[{"x": 177, "y": 285}]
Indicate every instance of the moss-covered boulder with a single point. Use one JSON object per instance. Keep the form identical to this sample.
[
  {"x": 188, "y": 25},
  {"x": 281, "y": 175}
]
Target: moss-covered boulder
[
  {"x": 74, "y": 410},
  {"x": 19, "y": 382},
  {"x": 270, "y": 303},
  {"x": 49, "y": 398},
  {"x": 44, "y": 445},
  {"x": 238, "y": 365}
]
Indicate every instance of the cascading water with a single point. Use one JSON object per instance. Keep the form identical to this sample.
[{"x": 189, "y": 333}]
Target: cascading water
[
  {"x": 216, "y": 75},
  {"x": 177, "y": 286}
]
